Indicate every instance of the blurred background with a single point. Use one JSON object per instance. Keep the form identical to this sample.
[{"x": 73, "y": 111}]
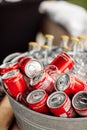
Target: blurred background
[{"x": 21, "y": 21}]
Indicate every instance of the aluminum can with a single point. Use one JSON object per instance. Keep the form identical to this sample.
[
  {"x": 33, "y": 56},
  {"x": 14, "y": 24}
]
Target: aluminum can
[
  {"x": 14, "y": 82},
  {"x": 60, "y": 105},
  {"x": 69, "y": 84},
  {"x": 30, "y": 66},
  {"x": 37, "y": 101},
  {"x": 22, "y": 62},
  {"x": 6, "y": 67},
  {"x": 42, "y": 80},
  {"x": 63, "y": 62},
  {"x": 79, "y": 102}
]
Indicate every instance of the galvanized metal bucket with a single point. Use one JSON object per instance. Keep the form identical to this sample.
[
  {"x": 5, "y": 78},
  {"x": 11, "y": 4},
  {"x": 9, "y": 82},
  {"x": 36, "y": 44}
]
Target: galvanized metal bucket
[{"x": 30, "y": 120}]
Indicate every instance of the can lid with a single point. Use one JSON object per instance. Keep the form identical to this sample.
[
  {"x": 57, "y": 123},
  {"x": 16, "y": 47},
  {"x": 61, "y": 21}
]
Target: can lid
[
  {"x": 62, "y": 82},
  {"x": 64, "y": 36},
  {"x": 33, "y": 67},
  {"x": 36, "y": 96},
  {"x": 32, "y": 43},
  {"x": 79, "y": 100},
  {"x": 38, "y": 76},
  {"x": 10, "y": 74},
  {"x": 49, "y": 36},
  {"x": 56, "y": 99},
  {"x": 6, "y": 65}
]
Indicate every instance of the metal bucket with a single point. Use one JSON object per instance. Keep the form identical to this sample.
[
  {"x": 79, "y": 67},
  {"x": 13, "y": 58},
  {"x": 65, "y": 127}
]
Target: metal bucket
[{"x": 30, "y": 120}]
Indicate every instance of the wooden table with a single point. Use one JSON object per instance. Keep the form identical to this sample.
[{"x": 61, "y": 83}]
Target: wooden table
[{"x": 7, "y": 119}]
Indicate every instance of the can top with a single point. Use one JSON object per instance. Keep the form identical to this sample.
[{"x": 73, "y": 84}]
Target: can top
[
  {"x": 49, "y": 36},
  {"x": 79, "y": 100},
  {"x": 38, "y": 76},
  {"x": 36, "y": 96},
  {"x": 32, "y": 67},
  {"x": 56, "y": 99},
  {"x": 10, "y": 74},
  {"x": 6, "y": 65},
  {"x": 62, "y": 82}
]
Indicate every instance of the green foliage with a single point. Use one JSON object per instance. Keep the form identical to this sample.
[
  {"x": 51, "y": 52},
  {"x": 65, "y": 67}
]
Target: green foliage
[{"x": 82, "y": 3}]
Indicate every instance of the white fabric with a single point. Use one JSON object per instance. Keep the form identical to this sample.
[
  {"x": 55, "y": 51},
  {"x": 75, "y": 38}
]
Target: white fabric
[{"x": 71, "y": 16}]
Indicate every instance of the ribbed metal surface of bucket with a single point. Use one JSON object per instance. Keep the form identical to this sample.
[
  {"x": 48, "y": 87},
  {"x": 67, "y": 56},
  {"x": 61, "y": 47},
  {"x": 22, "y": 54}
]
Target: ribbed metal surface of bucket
[{"x": 31, "y": 120}]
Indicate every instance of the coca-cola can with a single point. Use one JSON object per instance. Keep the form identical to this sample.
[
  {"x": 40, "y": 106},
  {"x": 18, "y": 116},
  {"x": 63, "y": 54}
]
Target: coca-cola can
[
  {"x": 42, "y": 80},
  {"x": 60, "y": 105},
  {"x": 14, "y": 83},
  {"x": 63, "y": 62},
  {"x": 30, "y": 66},
  {"x": 37, "y": 101},
  {"x": 6, "y": 67},
  {"x": 79, "y": 102},
  {"x": 69, "y": 84}
]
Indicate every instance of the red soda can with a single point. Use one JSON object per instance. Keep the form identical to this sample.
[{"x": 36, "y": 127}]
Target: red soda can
[
  {"x": 6, "y": 67},
  {"x": 60, "y": 105},
  {"x": 37, "y": 101},
  {"x": 42, "y": 80},
  {"x": 69, "y": 84},
  {"x": 79, "y": 102},
  {"x": 30, "y": 66},
  {"x": 63, "y": 62},
  {"x": 14, "y": 83}
]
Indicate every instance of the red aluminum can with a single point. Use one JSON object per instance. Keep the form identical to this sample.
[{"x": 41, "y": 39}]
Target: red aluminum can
[
  {"x": 43, "y": 81},
  {"x": 30, "y": 66},
  {"x": 37, "y": 101},
  {"x": 79, "y": 102},
  {"x": 6, "y": 67},
  {"x": 60, "y": 105},
  {"x": 14, "y": 83},
  {"x": 63, "y": 62},
  {"x": 69, "y": 84}
]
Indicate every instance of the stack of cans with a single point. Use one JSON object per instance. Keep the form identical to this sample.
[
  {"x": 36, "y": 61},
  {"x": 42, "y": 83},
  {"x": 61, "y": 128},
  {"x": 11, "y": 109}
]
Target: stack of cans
[{"x": 54, "y": 88}]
